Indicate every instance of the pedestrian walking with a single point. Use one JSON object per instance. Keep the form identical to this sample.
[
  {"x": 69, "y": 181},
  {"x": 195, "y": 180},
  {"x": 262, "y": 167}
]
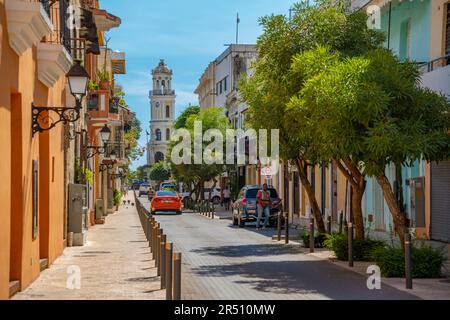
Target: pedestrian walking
[
  {"x": 263, "y": 206},
  {"x": 226, "y": 198}
]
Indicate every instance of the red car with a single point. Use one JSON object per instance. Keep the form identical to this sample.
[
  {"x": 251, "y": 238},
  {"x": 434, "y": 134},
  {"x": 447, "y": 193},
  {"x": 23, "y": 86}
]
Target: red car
[{"x": 166, "y": 201}]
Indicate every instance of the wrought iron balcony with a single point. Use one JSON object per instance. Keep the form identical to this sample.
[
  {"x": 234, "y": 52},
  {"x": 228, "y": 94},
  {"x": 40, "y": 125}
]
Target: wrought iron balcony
[{"x": 58, "y": 12}]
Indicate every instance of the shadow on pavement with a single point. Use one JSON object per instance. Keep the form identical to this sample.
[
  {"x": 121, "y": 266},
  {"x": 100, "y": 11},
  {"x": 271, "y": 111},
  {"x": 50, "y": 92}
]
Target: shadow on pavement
[
  {"x": 302, "y": 277},
  {"x": 249, "y": 250}
]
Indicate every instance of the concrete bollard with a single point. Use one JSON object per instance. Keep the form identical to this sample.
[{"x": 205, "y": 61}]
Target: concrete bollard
[
  {"x": 169, "y": 275},
  {"x": 162, "y": 260},
  {"x": 312, "y": 241},
  {"x": 177, "y": 276}
]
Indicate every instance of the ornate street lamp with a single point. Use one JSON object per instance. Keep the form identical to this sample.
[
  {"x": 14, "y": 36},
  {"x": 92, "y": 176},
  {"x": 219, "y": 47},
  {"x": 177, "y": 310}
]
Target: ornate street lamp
[
  {"x": 113, "y": 155},
  {"x": 46, "y": 118},
  {"x": 91, "y": 151}
]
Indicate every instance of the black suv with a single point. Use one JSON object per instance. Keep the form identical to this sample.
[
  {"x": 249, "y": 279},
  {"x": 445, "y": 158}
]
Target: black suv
[{"x": 244, "y": 208}]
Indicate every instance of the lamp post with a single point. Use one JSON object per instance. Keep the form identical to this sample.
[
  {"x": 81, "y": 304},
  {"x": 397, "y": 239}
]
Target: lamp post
[
  {"x": 46, "y": 118},
  {"x": 105, "y": 134}
]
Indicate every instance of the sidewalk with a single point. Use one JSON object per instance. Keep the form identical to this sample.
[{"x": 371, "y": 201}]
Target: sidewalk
[{"x": 115, "y": 264}]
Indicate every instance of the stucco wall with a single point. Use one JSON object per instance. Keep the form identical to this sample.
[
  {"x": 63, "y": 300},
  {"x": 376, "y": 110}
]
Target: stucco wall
[
  {"x": 419, "y": 13},
  {"x": 5, "y": 163},
  {"x": 19, "y": 253}
]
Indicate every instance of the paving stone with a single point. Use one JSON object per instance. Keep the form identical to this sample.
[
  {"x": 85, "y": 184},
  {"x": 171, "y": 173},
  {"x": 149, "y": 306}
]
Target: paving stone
[{"x": 115, "y": 264}]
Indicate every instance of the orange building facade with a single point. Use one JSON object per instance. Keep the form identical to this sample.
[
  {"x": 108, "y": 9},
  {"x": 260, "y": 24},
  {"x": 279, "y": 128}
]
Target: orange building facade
[{"x": 37, "y": 49}]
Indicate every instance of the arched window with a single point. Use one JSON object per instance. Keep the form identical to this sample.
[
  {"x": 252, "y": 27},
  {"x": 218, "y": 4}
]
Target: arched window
[
  {"x": 167, "y": 111},
  {"x": 159, "y": 156},
  {"x": 163, "y": 86},
  {"x": 167, "y": 134},
  {"x": 158, "y": 134}
]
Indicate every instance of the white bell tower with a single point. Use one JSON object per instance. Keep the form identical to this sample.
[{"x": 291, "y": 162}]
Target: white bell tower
[{"x": 162, "y": 111}]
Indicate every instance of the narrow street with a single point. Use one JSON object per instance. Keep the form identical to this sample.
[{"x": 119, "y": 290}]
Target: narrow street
[
  {"x": 224, "y": 262},
  {"x": 115, "y": 264}
]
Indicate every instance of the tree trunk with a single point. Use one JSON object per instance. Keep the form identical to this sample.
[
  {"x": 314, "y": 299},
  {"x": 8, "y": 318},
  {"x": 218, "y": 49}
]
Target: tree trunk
[
  {"x": 312, "y": 197},
  {"x": 398, "y": 215},
  {"x": 358, "y": 182},
  {"x": 357, "y": 197}
]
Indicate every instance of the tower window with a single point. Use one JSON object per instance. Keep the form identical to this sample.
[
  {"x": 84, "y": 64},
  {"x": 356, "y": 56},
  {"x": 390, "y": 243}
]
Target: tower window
[
  {"x": 158, "y": 134},
  {"x": 167, "y": 134},
  {"x": 167, "y": 111}
]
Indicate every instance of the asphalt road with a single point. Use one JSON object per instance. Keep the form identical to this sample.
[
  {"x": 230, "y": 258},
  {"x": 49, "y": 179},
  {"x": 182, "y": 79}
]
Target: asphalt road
[{"x": 221, "y": 261}]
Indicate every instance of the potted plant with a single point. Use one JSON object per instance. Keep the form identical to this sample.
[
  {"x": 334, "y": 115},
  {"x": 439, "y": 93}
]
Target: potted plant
[
  {"x": 103, "y": 77},
  {"x": 117, "y": 198}
]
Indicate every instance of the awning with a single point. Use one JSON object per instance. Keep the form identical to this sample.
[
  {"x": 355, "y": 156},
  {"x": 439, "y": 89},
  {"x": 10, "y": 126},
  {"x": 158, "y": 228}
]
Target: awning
[{"x": 104, "y": 20}]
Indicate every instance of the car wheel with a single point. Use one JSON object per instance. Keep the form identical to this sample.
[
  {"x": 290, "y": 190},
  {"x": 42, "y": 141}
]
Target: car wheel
[{"x": 241, "y": 223}]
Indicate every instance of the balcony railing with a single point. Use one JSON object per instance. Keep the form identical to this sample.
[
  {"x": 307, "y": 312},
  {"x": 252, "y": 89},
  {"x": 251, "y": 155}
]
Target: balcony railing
[
  {"x": 114, "y": 105},
  {"x": 57, "y": 11},
  {"x": 434, "y": 64},
  {"x": 45, "y": 5},
  {"x": 93, "y": 103},
  {"x": 164, "y": 92}
]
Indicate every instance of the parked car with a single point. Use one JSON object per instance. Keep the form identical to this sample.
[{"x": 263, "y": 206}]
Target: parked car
[
  {"x": 168, "y": 185},
  {"x": 143, "y": 189},
  {"x": 166, "y": 201},
  {"x": 244, "y": 208},
  {"x": 215, "y": 195}
]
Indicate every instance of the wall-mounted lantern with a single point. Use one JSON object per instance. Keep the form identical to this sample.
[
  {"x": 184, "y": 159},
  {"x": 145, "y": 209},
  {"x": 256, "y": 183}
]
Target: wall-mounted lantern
[{"x": 46, "y": 118}]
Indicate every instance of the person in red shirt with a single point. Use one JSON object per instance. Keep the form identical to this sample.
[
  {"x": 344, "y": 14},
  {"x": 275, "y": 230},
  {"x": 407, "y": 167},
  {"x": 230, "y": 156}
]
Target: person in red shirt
[{"x": 263, "y": 206}]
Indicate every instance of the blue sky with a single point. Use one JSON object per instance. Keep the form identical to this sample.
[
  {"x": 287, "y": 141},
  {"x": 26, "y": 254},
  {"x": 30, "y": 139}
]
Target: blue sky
[{"x": 188, "y": 34}]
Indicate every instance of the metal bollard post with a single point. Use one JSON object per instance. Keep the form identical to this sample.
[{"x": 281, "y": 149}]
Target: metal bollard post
[
  {"x": 154, "y": 235},
  {"x": 408, "y": 260},
  {"x": 341, "y": 221},
  {"x": 213, "y": 211},
  {"x": 279, "y": 224},
  {"x": 350, "y": 244},
  {"x": 329, "y": 224},
  {"x": 311, "y": 235},
  {"x": 162, "y": 260},
  {"x": 177, "y": 276},
  {"x": 169, "y": 275},
  {"x": 286, "y": 226}
]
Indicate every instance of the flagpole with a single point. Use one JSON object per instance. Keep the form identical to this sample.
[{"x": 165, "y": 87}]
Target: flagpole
[{"x": 237, "y": 28}]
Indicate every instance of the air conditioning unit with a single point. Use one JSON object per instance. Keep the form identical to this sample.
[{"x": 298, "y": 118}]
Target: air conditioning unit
[
  {"x": 99, "y": 209},
  {"x": 77, "y": 217}
]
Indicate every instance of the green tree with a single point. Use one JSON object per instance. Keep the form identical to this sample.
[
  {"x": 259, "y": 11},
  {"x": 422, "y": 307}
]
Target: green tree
[
  {"x": 160, "y": 172},
  {"x": 274, "y": 83},
  {"x": 198, "y": 174},
  {"x": 370, "y": 111},
  {"x": 180, "y": 122}
]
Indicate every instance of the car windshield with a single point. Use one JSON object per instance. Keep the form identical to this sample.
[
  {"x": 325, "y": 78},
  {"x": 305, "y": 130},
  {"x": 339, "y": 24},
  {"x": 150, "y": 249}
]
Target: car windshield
[
  {"x": 166, "y": 194},
  {"x": 251, "y": 193}
]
